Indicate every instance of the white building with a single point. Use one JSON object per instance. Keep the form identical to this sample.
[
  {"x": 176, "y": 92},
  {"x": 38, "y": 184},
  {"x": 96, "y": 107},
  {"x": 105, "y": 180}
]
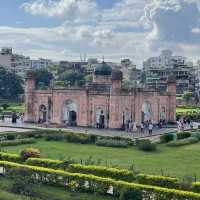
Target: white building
[
  {"x": 166, "y": 59},
  {"x": 41, "y": 63}
]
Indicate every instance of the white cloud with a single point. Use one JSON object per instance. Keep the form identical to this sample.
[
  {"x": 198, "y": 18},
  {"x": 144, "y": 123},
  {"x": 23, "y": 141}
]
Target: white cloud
[{"x": 76, "y": 10}]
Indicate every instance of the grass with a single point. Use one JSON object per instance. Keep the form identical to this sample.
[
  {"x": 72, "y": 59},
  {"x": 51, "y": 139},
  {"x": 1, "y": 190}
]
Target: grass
[
  {"x": 46, "y": 192},
  {"x": 187, "y": 109},
  {"x": 179, "y": 161}
]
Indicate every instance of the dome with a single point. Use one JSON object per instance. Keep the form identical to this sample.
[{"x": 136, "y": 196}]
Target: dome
[
  {"x": 103, "y": 69},
  {"x": 117, "y": 75}
]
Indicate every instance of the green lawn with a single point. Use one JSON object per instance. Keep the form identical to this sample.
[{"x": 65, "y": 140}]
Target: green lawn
[
  {"x": 187, "y": 110},
  {"x": 175, "y": 161},
  {"x": 46, "y": 193}
]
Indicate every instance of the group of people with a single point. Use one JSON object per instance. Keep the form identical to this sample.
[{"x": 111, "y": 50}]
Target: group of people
[
  {"x": 184, "y": 124},
  {"x": 15, "y": 117},
  {"x": 132, "y": 127}
]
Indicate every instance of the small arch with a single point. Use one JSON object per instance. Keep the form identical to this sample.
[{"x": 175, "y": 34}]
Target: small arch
[
  {"x": 147, "y": 113},
  {"x": 163, "y": 113},
  {"x": 100, "y": 118},
  {"x": 42, "y": 114},
  {"x": 70, "y": 113}
]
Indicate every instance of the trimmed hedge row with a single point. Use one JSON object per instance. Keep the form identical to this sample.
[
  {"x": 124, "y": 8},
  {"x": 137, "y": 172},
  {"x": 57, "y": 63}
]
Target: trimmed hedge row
[
  {"x": 118, "y": 174},
  {"x": 167, "y": 182},
  {"x": 17, "y": 142},
  {"x": 186, "y": 141},
  {"x": 48, "y": 163},
  {"x": 101, "y": 171},
  {"x": 94, "y": 184},
  {"x": 10, "y": 157},
  {"x": 53, "y": 135}
]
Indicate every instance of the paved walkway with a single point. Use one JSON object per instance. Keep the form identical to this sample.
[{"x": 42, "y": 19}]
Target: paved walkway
[{"x": 7, "y": 126}]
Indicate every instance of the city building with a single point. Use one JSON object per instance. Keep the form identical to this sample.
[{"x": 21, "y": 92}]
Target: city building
[
  {"x": 40, "y": 63},
  {"x": 103, "y": 103},
  {"x": 17, "y": 63},
  {"x": 158, "y": 69}
]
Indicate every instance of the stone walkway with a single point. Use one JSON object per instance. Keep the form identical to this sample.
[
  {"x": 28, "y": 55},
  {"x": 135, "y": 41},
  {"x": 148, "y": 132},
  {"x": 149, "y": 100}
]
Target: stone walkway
[{"x": 7, "y": 126}]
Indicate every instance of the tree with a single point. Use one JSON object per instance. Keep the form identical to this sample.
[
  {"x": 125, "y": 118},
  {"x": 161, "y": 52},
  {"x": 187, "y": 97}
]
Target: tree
[
  {"x": 187, "y": 96},
  {"x": 43, "y": 78},
  {"x": 10, "y": 85},
  {"x": 72, "y": 78}
]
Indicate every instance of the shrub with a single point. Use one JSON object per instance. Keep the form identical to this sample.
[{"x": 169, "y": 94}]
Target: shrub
[
  {"x": 10, "y": 157},
  {"x": 54, "y": 137},
  {"x": 17, "y": 142},
  {"x": 78, "y": 138},
  {"x": 146, "y": 145},
  {"x": 54, "y": 164},
  {"x": 128, "y": 194},
  {"x": 167, "y": 137},
  {"x": 94, "y": 184},
  {"x": 118, "y": 174},
  {"x": 183, "y": 135},
  {"x": 186, "y": 141},
  {"x": 111, "y": 143},
  {"x": 196, "y": 134},
  {"x": 30, "y": 153},
  {"x": 162, "y": 181},
  {"x": 10, "y": 137}
]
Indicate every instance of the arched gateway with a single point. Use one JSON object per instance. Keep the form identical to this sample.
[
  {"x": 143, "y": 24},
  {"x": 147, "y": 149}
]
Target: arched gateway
[
  {"x": 70, "y": 113},
  {"x": 42, "y": 114}
]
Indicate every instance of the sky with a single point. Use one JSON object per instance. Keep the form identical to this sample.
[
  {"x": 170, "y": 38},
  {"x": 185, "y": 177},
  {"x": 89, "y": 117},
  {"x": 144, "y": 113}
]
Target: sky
[{"x": 115, "y": 29}]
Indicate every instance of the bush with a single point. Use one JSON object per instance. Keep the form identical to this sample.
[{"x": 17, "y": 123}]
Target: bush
[
  {"x": 10, "y": 137},
  {"x": 54, "y": 137},
  {"x": 79, "y": 138},
  {"x": 54, "y": 164},
  {"x": 118, "y": 174},
  {"x": 30, "y": 153},
  {"x": 167, "y": 137},
  {"x": 17, "y": 142},
  {"x": 162, "y": 181},
  {"x": 111, "y": 143},
  {"x": 196, "y": 134},
  {"x": 183, "y": 135},
  {"x": 94, "y": 184},
  {"x": 10, "y": 157},
  {"x": 128, "y": 194},
  {"x": 186, "y": 141},
  {"x": 146, "y": 145}
]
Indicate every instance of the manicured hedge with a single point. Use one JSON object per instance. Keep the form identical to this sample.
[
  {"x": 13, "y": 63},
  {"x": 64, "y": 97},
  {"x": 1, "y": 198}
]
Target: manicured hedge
[
  {"x": 167, "y": 137},
  {"x": 17, "y": 142},
  {"x": 10, "y": 157},
  {"x": 183, "y": 135},
  {"x": 186, "y": 141},
  {"x": 118, "y": 174},
  {"x": 48, "y": 163},
  {"x": 196, "y": 187},
  {"x": 94, "y": 184},
  {"x": 167, "y": 182}
]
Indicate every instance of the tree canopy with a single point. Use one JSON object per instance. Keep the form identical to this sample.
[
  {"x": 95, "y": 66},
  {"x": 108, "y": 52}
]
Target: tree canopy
[
  {"x": 11, "y": 85},
  {"x": 43, "y": 78}
]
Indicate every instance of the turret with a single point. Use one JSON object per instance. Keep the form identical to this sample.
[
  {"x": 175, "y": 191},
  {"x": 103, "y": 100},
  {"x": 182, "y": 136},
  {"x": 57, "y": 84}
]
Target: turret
[
  {"x": 171, "y": 85},
  {"x": 29, "y": 96},
  {"x": 116, "y": 78},
  {"x": 102, "y": 73},
  {"x": 29, "y": 82}
]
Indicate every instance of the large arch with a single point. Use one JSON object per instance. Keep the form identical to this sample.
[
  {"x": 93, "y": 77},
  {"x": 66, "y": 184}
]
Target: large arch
[
  {"x": 147, "y": 113},
  {"x": 69, "y": 115},
  {"x": 42, "y": 114}
]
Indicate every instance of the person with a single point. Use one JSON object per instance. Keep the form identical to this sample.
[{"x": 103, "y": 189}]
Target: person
[
  {"x": 14, "y": 117},
  {"x": 142, "y": 127},
  {"x": 191, "y": 124},
  {"x": 150, "y": 128}
]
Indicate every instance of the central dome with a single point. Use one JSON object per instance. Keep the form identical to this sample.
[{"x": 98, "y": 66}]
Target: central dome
[{"x": 103, "y": 69}]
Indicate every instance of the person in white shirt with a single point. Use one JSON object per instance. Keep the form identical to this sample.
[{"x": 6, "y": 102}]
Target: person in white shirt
[{"x": 150, "y": 128}]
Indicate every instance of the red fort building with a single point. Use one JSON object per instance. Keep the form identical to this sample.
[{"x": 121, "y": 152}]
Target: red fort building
[{"x": 102, "y": 103}]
